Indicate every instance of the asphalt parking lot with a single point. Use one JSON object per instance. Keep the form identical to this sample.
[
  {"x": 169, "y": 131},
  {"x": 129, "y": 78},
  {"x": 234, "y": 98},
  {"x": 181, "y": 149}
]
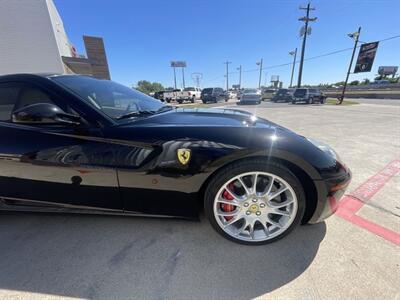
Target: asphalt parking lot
[{"x": 354, "y": 254}]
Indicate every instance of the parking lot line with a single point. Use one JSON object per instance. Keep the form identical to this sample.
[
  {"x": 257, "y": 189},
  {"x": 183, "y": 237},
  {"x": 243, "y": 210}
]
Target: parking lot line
[{"x": 351, "y": 204}]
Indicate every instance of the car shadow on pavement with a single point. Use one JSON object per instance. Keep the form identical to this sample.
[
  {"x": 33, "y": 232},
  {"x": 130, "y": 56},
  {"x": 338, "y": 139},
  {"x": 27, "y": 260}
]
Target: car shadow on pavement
[{"x": 103, "y": 257}]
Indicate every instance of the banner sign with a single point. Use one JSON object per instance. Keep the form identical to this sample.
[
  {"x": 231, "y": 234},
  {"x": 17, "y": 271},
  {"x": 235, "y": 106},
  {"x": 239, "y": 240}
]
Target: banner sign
[{"x": 366, "y": 57}]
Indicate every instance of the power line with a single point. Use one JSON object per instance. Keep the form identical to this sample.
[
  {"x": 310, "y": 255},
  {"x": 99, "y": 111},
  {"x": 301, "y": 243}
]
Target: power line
[{"x": 305, "y": 59}]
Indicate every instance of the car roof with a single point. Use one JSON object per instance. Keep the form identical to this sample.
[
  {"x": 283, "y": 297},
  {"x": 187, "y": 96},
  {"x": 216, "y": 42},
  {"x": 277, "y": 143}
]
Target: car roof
[{"x": 34, "y": 75}]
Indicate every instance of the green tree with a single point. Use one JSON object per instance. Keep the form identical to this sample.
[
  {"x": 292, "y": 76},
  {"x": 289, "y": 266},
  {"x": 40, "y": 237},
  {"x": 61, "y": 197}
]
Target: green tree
[
  {"x": 365, "y": 81},
  {"x": 355, "y": 82},
  {"x": 148, "y": 87}
]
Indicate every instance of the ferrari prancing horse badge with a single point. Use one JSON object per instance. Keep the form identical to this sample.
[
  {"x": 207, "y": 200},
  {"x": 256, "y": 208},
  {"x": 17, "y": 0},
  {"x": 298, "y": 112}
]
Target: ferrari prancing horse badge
[{"x": 184, "y": 155}]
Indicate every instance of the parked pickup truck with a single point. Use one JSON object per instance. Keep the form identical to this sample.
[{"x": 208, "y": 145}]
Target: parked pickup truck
[
  {"x": 188, "y": 94},
  {"x": 171, "y": 95}
]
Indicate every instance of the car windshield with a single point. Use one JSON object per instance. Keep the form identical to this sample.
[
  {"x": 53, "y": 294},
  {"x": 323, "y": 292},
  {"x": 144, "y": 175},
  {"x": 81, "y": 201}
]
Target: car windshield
[
  {"x": 207, "y": 91},
  {"x": 189, "y": 89},
  {"x": 300, "y": 92},
  {"x": 113, "y": 99},
  {"x": 282, "y": 92},
  {"x": 250, "y": 91}
]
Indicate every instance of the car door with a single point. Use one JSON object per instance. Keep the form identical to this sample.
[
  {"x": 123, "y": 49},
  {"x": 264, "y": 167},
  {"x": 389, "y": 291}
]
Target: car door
[{"x": 53, "y": 165}]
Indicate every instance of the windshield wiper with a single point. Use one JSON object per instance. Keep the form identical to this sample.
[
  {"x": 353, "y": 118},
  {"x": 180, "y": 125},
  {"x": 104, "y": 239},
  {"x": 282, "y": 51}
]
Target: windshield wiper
[
  {"x": 164, "y": 108},
  {"x": 145, "y": 112},
  {"x": 136, "y": 114}
]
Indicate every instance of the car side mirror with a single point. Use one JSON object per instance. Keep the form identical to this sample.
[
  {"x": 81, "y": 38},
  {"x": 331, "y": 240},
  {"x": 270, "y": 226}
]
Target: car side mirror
[{"x": 44, "y": 114}]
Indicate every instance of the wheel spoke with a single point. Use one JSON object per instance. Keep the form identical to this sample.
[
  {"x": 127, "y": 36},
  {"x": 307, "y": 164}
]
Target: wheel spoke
[
  {"x": 228, "y": 213},
  {"x": 254, "y": 186},
  {"x": 246, "y": 189},
  {"x": 230, "y": 202},
  {"x": 282, "y": 204},
  {"x": 280, "y": 212},
  {"x": 265, "y": 227},
  {"x": 232, "y": 193},
  {"x": 231, "y": 221},
  {"x": 277, "y": 193},
  {"x": 274, "y": 223},
  {"x": 251, "y": 229},
  {"x": 269, "y": 186}
]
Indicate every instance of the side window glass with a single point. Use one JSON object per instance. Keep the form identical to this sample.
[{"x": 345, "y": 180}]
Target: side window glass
[
  {"x": 29, "y": 95},
  {"x": 8, "y": 99}
]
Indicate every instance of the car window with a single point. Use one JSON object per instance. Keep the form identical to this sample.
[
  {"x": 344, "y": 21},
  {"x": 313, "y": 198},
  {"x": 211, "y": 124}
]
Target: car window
[
  {"x": 14, "y": 96},
  {"x": 8, "y": 99},
  {"x": 189, "y": 89}
]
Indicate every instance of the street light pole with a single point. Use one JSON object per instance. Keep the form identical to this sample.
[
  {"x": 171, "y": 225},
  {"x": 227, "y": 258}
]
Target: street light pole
[
  {"x": 305, "y": 19},
  {"x": 260, "y": 63},
  {"x": 240, "y": 76},
  {"x": 356, "y": 36},
  {"x": 227, "y": 74},
  {"x": 174, "y": 77},
  {"x": 183, "y": 77},
  {"x": 294, "y": 54}
]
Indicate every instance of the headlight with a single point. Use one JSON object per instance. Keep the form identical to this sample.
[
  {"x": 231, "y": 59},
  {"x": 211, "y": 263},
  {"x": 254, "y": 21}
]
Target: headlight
[{"x": 325, "y": 148}]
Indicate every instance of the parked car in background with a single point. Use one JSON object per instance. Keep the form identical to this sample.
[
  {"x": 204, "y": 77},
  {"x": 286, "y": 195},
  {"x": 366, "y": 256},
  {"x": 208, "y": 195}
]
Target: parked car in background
[
  {"x": 159, "y": 95},
  {"x": 250, "y": 96},
  {"x": 170, "y": 95},
  {"x": 282, "y": 95},
  {"x": 267, "y": 94},
  {"x": 188, "y": 94},
  {"x": 213, "y": 95},
  {"x": 308, "y": 96},
  {"x": 232, "y": 94}
]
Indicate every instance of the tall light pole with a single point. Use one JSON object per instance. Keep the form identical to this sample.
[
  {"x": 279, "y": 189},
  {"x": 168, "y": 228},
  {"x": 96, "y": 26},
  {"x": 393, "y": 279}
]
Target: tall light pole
[
  {"x": 240, "y": 76},
  {"x": 259, "y": 63},
  {"x": 227, "y": 74},
  {"x": 174, "y": 77},
  {"x": 294, "y": 54},
  {"x": 305, "y": 32},
  {"x": 183, "y": 77},
  {"x": 354, "y": 36}
]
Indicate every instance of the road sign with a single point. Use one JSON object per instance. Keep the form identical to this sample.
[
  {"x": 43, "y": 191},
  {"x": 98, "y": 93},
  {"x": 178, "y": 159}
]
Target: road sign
[
  {"x": 178, "y": 64},
  {"x": 366, "y": 57}
]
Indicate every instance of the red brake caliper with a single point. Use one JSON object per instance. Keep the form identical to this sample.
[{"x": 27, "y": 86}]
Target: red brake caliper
[{"x": 227, "y": 207}]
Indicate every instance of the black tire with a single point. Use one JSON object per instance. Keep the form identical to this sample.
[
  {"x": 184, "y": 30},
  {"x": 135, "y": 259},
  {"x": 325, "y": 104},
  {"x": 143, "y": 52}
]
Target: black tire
[
  {"x": 179, "y": 101},
  {"x": 204, "y": 101},
  {"x": 192, "y": 100},
  {"x": 241, "y": 167},
  {"x": 168, "y": 101},
  {"x": 310, "y": 100}
]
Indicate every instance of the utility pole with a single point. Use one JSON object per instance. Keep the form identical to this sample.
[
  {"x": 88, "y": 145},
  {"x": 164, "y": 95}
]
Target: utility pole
[
  {"x": 306, "y": 32},
  {"x": 183, "y": 77},
  {"x": 240, "y": 76},
  {"x": 174, "y": 77},
  {"x": 354, "y": 36},
  {"x": 227, "y": 74},
  {"x": 294, "y": 54},
  {"x": 260, "y": 63}
]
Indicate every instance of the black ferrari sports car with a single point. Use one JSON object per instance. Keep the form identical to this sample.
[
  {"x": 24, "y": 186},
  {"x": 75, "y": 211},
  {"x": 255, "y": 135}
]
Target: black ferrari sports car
[{"x": 71, "y": 143}]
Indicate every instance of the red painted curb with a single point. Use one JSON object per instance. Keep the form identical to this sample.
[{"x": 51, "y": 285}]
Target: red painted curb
[{"x": 351, "y": 204}]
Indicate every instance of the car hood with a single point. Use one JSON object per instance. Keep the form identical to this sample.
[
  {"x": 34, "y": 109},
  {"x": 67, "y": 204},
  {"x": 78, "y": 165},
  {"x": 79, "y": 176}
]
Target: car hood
[{"x": 202, "y": 117}]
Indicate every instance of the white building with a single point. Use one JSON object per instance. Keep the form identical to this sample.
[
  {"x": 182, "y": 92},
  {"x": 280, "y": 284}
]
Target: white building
[{"x": 32, "y": 37}]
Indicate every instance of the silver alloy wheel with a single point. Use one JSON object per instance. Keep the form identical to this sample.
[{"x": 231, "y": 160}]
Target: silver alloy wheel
[{"x": 255, "y": 206}]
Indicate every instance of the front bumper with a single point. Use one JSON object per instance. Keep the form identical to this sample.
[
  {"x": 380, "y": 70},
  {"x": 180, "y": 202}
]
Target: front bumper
[{"x": 330, "y": 191}]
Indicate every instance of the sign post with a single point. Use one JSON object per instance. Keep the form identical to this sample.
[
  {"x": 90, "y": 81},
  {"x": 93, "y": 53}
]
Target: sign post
[
  {"x": 179, "y": 64},
  {"x": 355, "y": 35}
]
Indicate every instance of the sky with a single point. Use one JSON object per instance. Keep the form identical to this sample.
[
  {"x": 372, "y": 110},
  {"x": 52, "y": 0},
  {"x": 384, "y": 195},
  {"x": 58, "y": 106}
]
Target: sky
[{"x": 142, "y": 37}]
